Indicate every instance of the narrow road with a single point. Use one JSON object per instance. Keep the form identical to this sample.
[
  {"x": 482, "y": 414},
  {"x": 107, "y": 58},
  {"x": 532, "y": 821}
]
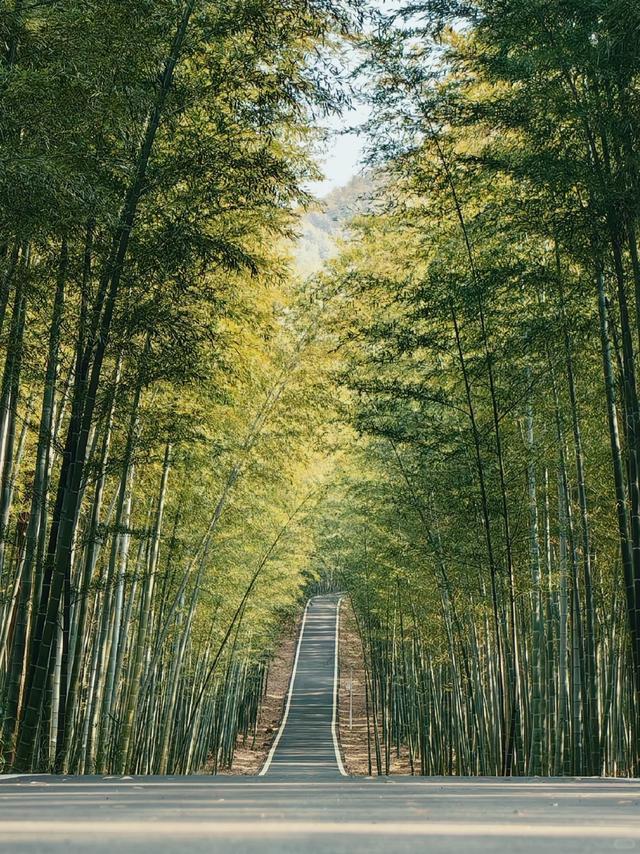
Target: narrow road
[
  {"x": 306, "y": 745},
  {"x": 302, "y": 803}
]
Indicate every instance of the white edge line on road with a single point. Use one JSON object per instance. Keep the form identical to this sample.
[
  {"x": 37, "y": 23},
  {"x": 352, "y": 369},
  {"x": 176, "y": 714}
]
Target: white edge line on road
[
  {"x": 274, "y": 746},
  {"x": 251, "y": 828},
  {"x": 334, "y": 717}
]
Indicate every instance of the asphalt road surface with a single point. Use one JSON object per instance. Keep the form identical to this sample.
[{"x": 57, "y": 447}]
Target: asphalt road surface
[
  {"x": 303, "y": 803},
  {"x": 306, "y": 745}
]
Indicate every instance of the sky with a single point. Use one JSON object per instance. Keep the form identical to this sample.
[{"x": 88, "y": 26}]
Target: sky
[
  {"x": 344, "y": 151},
  {"x": 343, "y": 154}
]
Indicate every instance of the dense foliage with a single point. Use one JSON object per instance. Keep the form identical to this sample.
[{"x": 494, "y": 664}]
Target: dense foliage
[
  {"x": 488, "y": 324},
  {"x": 159, "y": 401},
  {"x": 445, "y": 423}
]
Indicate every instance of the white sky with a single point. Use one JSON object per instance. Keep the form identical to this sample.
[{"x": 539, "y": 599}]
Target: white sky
[{"x": 344, "y": 152}]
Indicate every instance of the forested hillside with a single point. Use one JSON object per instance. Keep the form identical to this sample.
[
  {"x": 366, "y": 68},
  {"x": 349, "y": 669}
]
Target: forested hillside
[
  {"x": 324, "y": 226},
  {"x": 430, "y": 403}
]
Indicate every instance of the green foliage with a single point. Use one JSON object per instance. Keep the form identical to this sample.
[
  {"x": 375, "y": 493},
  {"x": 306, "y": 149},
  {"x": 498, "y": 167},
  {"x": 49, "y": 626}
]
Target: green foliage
[
  {"x": 483, "y": 520},
  {"x": 162, "y": 388}
]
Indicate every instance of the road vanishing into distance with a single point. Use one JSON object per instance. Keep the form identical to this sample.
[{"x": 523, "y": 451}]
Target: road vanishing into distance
[{"x": 304, "y": 802}]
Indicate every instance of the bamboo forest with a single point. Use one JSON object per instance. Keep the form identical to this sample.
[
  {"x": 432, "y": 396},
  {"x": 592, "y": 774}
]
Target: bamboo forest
[{"x": 438, "y": 416}]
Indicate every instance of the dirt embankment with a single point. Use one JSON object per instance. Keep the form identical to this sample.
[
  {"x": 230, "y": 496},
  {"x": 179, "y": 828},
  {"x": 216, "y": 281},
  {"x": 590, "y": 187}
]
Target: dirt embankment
[{"x": 358, "y": 751}]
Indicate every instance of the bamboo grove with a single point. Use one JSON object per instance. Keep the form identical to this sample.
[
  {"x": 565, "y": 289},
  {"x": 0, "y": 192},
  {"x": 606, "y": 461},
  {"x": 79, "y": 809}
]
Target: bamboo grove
[
  {"x": 445, "y": 423},
  {"x": 159, "y": 427},
  {"x": 487, "y": 326}
]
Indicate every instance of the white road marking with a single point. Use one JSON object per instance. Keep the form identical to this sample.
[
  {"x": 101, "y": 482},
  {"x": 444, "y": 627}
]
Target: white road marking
[
  {"x": 442, "y": 790},
  {"x": 18, "y": 830},
  {"x": 266, "y": 765},
  {"x": 334, "y": 716}
]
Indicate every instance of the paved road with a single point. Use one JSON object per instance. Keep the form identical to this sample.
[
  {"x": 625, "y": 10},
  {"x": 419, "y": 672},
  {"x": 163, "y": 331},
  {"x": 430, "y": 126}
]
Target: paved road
[
  {"x": 304, "y": 804},
  {"x": 306, "y": 744}
]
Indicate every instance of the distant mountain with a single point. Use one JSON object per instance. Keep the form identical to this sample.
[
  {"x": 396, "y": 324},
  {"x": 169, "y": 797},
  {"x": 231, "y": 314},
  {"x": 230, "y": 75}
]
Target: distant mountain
[{"x": 322, "y": 227}]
